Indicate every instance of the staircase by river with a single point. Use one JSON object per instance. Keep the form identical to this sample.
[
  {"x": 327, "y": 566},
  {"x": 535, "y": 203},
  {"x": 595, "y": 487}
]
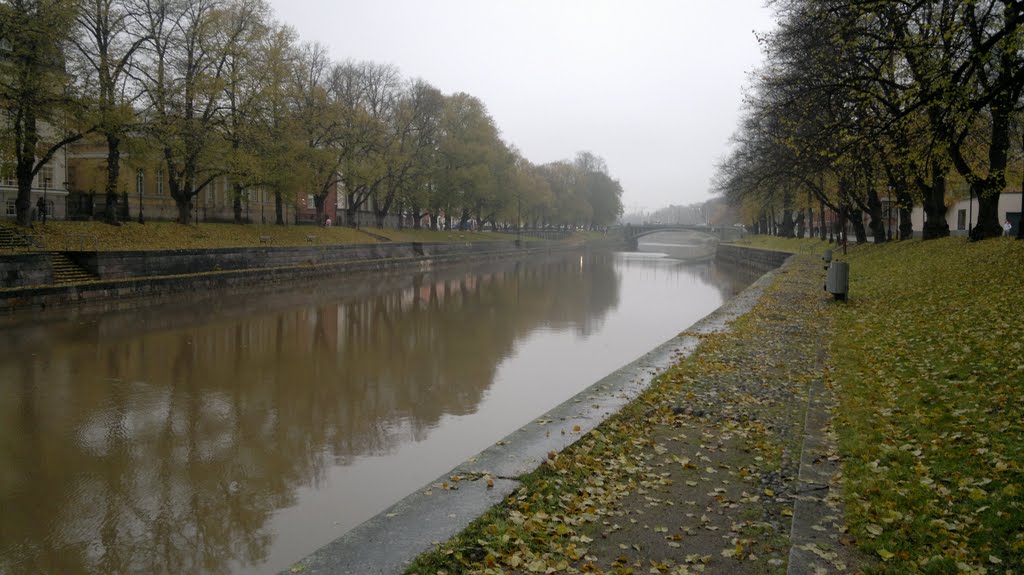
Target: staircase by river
[
  {"x": 66, "y": 271},
  {"x": 12, "y": 240}
]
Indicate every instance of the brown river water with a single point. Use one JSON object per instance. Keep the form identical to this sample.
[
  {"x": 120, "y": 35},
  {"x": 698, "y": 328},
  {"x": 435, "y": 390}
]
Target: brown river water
[{"x": 237, "y": 432}]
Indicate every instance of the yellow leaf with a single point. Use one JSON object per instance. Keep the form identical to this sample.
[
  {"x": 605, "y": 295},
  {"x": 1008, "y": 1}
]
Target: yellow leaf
[{"x": 885, "y": 555}]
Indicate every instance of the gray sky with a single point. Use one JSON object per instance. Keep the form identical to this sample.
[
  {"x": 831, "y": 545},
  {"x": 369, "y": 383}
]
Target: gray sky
[{"x": 652, "y": 86}]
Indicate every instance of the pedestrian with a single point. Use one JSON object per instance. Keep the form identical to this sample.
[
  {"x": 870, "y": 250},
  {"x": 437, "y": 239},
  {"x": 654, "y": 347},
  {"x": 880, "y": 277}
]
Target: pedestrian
[
  {"x": 1007, "y": 226},
  {"x": 327, "y": 223}
]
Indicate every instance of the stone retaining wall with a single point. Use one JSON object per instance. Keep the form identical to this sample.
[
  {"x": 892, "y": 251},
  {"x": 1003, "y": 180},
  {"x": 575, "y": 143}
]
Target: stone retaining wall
[
  {"x": 25, "y": 269},
  {"x": 762, "y": 260},
  {"x": 135, "y": 264},
  {"x": 192, "y": 270}
]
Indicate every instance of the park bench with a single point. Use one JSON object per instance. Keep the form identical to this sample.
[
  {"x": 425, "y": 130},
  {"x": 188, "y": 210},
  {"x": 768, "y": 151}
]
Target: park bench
[
  {"x": 311, "y": 238},
  {"x": 266, "y": 240}
]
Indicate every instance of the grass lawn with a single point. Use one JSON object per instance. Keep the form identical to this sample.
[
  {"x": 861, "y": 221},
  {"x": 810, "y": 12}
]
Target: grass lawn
[
  {"x": 928, "y": 360},
  {"x": 64, "y": 235}
]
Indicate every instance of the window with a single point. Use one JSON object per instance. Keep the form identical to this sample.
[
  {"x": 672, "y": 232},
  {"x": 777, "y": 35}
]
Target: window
[
  {"x": 7, "y": 177},
  {"x": 12, "y": 210},
  {"x": 961, "y": 219},
  {"x": 45, "y": 176},
  {"x": 160, "y": 181},
  {"x": 140, "y": 182}
]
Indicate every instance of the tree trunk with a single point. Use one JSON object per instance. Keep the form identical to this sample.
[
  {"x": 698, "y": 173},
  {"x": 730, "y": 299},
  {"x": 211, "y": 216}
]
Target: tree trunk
[
  {"x": 904, "y": 204},
  {"x": 935, "y": 225},
  {"x": 185, "y": 211},
  {"x": 787, "y": 224},
  {"x": 856, "y": 218},
  {"x": 1020, "y": 222},
  {"x": 821, "y": 220},
  {"x": 875, "y": 215},
  {"x": 278, "y": 208},
  {"x": 23, "y": 204},
  {"x": 113, "y": 173},
  {"x": 318, "y": 201},
  {"x": 236, "y": 202},
  {"x": 988, "y": 191}
]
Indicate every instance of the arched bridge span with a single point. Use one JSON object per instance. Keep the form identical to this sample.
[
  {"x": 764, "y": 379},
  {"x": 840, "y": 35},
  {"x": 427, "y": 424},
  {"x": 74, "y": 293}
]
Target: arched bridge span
[{"x": 632, "y": 234}]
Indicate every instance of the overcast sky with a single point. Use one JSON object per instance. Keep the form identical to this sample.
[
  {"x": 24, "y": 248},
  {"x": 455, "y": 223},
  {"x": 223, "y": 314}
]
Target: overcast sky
[{"x": 652, "y": 86}]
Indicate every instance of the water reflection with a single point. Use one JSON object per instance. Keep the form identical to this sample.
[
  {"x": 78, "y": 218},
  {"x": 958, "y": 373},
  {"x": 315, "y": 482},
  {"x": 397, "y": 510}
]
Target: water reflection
[
  {"x": 169, "y": 439},
  {"x": 686, "y": 246}
]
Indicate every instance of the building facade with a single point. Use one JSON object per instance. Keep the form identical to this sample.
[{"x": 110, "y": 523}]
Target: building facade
[{"x": 962, "y": 214}]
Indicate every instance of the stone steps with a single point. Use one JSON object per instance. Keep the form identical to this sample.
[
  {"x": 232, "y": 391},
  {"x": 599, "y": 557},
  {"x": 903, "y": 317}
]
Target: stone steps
[
  {"x": 11, "y": 240},
  {"x": 66, "y": 271}
]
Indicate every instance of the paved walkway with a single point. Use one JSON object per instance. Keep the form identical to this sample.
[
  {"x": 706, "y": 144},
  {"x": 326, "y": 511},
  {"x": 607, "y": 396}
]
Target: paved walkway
[{"x": 742, "y": 465}]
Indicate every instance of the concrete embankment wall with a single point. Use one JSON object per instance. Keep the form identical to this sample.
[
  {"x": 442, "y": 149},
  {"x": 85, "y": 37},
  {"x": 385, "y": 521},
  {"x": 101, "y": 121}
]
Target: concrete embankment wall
[
  {"x": 761, "y": 260},
  {"x": 134, "y": 264},
  {"x": 125, "y": 275},
  {"x": 25, "y": 269}
]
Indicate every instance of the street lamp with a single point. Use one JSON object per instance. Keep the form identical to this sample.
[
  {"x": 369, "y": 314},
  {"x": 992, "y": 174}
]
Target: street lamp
[
  {"x": 139, "y": 182},
  {"x": 519, "y": 220},
  {"x": 889, "y": 218},
  {"x": 46, "y": 203}
]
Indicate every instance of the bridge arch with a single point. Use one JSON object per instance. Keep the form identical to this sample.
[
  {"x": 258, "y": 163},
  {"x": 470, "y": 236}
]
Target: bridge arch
[{"x": 632, "y": 234}]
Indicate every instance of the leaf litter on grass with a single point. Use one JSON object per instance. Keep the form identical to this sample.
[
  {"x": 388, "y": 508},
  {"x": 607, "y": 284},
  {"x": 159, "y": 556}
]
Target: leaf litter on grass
[{"x": 929, "y": 357}]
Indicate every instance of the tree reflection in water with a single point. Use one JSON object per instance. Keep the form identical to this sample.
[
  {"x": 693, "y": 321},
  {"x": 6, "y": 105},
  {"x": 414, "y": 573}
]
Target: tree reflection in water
[{"x": 163, "y": 439}]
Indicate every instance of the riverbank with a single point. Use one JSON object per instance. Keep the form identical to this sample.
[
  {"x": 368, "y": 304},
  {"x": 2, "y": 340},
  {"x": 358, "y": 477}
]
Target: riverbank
[
  {"x": 85, "y": 270},
  {"x": 733, "y": 462},
  {"x": 152, "y": 236}
]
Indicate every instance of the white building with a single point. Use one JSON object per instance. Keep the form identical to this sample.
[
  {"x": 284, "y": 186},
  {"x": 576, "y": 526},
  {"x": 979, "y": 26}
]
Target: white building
[
  {"x": 963, "y": 215},
  {"x": 50, "y": 183}
]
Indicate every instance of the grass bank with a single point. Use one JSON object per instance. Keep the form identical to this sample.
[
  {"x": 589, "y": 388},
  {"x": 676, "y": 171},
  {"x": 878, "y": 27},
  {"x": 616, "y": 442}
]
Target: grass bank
[
  {"x": 928, "y": 358},
  {"x": 65, "y": 235}
]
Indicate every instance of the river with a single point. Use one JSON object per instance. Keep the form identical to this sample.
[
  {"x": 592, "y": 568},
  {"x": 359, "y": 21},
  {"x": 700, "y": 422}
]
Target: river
[{"x": 237, "y": 432}]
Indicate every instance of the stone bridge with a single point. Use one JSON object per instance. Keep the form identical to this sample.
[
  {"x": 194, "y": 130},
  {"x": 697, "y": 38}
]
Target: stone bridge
[{"x": 632, "y": 234}]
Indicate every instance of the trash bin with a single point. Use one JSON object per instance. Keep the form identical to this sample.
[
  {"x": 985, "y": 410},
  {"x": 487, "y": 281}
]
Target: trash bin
[{"x": 837, "y": 282}]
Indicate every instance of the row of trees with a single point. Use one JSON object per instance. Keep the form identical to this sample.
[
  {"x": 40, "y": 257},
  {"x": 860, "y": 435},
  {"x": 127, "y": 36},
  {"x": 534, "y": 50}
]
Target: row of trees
[
  {"x": 217, "y": 88},
  {"x": 858, "y": 100}
]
